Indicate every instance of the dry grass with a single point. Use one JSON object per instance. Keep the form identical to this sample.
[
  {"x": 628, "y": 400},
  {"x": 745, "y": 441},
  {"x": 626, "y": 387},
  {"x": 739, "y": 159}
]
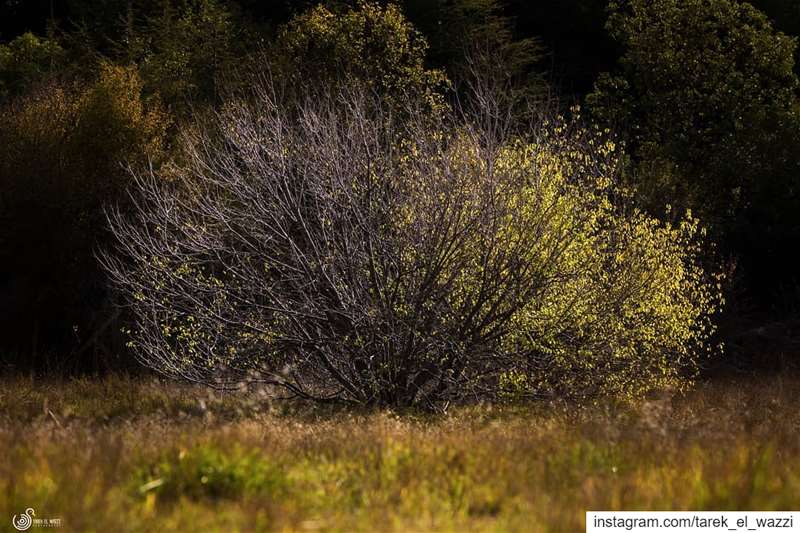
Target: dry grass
[{"x": 124, "y": 455}]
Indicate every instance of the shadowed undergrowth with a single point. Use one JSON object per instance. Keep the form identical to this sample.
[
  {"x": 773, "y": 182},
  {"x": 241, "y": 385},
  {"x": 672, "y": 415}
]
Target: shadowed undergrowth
[{"x": 126, "y": 455}]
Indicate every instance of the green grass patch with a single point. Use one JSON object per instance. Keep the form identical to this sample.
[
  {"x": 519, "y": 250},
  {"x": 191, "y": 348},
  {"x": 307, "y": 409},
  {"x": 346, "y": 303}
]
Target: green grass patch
[{"x": 208, "y": 472}]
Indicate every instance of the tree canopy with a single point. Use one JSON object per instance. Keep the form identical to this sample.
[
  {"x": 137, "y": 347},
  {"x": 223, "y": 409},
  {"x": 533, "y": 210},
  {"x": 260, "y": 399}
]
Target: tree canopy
[{"x": 707, "y": 94}]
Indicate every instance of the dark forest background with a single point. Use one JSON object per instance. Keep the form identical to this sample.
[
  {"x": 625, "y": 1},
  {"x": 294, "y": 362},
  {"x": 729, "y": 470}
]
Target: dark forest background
[{"x": 703, "y": 94}]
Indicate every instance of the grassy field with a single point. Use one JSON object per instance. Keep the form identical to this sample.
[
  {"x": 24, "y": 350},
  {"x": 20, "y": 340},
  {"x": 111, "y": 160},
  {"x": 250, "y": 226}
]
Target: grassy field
[{"x": 120, "y": 454}]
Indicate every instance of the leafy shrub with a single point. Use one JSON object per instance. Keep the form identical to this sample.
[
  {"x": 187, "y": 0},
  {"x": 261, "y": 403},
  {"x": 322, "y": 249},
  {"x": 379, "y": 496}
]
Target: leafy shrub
[
  {"x": 372, "y": 43},
  {"x": 183, "y": 50},
  {"x": 627, "y": 306},
  {"x": 703, "y": 105},
  {"x": 63, "y": 149},
  {"x": 26, "y": 60},
  {"x": 340, "y": 254},
  {"x": 712, "y": 118}
]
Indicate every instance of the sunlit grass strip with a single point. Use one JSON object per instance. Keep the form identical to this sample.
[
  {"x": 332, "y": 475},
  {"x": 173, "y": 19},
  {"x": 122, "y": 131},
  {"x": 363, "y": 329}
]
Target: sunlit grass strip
[{"x": 233, "y": 463}]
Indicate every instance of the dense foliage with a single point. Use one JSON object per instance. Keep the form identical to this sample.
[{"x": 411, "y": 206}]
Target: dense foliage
[
  {"x": 26, "y": 60},
  {"x": 700, "y": 87},
  {"x": 63, "y": 149},
  {"x": 376, "y": 45},
  {"x": 708, "y": 94},
  {"x": 699, "y": 96}
]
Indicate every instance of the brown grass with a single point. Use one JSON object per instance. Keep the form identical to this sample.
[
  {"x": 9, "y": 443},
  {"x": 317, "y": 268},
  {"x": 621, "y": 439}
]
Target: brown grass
[{"x": 125, "y": 455}]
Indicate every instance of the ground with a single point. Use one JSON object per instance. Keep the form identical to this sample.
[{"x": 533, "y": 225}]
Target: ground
[{"x": 134, "y": 454}]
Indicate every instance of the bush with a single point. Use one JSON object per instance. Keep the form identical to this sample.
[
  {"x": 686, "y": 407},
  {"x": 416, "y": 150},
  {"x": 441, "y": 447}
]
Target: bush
[
  {"x": 374, "y": 44},
  {"x": 712, "y": 115},
  {"x": 184, "y": 49},
  {"x": 339, "y": 254},
  {"x": 27, "y": 60},
  {"x": 63, "y": 149},
  {"x": 703, "y": 106}
]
